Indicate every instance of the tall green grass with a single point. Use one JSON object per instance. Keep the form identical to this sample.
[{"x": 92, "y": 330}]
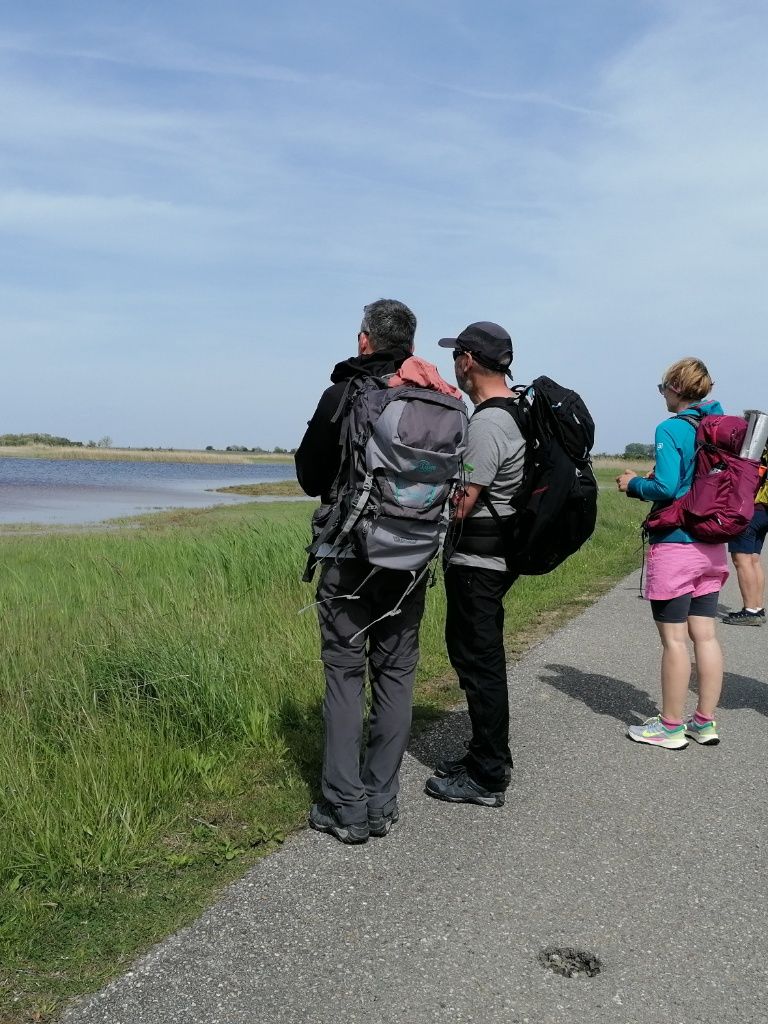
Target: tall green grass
[
  {"x": 132, "y": 666},
  {"x": 160, "y": 700}
]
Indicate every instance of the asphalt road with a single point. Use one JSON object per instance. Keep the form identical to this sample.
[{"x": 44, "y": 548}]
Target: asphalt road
[{"x": 652, "y": 860}]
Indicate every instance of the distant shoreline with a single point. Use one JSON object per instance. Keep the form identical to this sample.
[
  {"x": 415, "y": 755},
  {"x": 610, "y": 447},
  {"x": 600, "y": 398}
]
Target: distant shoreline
[{"x": 140, "y": 455}]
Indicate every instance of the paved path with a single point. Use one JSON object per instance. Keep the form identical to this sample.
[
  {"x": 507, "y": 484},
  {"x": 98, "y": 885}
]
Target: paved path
[{"x": 653, "y": 860}]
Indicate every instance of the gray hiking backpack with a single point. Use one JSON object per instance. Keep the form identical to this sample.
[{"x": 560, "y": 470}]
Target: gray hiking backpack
[{"x": 402, "y": 454}]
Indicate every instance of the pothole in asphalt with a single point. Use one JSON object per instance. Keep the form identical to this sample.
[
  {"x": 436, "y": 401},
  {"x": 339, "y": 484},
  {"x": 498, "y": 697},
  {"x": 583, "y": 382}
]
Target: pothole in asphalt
[{"x": 571, "y": 963}]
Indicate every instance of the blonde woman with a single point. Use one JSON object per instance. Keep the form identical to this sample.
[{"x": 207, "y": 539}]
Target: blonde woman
[{"x": 683, "y": 576}]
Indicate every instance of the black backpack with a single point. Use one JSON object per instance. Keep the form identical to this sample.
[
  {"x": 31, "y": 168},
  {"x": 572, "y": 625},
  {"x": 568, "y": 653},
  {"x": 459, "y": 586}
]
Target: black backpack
[{"x": 556, "y": 506}]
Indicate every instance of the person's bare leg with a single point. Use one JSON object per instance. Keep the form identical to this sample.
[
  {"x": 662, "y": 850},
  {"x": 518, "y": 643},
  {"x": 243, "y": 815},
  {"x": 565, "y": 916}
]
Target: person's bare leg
[
  {"x": 749, "y": 572},
  {"x": 759, "y": 583},
  {"x": 675, "y": 669},
  {"x": 709, "y": 663}
]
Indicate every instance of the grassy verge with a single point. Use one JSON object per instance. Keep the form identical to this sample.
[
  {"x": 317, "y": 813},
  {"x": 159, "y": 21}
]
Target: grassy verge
[{"x": 161, "y": 722}]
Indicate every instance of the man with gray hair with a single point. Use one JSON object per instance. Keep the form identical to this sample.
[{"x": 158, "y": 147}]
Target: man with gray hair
[{"x": 361, "y": 801}]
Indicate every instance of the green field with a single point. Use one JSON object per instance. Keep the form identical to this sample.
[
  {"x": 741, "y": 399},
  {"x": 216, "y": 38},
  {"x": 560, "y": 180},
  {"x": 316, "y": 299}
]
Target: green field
[{"x": 161, "y": 721}]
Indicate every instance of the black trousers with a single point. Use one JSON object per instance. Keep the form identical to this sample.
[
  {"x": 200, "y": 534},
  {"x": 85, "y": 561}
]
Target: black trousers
[{"x": 474, "y": 636}]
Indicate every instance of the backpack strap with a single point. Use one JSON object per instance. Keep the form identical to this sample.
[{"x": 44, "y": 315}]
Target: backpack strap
[
  {"x": 693, "y": 420},
  {"x": 357, "y": 384},
  {"x": 499, "y": 403},
  {"x": 509, "y": 405},
  {"x": 357, "y": 509},
  {"x": 341, "y": 407},
  {"x": 491, "y": 507}
]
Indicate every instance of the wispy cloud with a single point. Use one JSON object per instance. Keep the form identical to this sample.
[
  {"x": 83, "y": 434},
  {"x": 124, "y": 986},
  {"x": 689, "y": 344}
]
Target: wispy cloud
[
  {"x": 151, "y": 52},
  {"x": 533, "y": 99}
]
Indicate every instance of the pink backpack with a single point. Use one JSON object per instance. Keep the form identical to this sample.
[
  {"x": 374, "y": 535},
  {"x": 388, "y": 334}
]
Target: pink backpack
[{"x": 721, "y": 501}]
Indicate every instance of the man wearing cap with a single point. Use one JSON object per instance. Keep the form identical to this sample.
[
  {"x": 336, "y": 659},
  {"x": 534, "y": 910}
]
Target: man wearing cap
[{"x": 477, "y": 578}]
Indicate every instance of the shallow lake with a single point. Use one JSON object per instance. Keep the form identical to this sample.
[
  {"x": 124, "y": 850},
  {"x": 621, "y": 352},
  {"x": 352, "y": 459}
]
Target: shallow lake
[{"x": 89, "y": 491}]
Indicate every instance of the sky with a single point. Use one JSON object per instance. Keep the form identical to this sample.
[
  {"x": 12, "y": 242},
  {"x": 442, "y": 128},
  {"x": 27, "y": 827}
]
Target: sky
[{"x": 197, "y": 200}]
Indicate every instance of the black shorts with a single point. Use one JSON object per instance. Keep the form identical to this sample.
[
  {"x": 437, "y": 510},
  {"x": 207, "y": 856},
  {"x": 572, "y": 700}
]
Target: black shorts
[
  {"x": 751, "y": 541},
  {"x": 677, "y": 609}
]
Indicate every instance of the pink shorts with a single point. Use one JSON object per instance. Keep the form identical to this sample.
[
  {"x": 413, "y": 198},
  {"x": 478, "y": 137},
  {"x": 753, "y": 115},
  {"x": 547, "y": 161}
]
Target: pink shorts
[{"x": 672, "y": 570}]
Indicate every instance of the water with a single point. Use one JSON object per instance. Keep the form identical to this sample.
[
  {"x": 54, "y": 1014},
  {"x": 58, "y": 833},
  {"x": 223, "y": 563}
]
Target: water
[{"x": 90, "y": 491}]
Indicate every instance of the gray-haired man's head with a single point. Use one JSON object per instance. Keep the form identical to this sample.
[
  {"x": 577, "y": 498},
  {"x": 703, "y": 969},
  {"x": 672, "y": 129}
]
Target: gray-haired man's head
[{"x": 390, "y": 325}]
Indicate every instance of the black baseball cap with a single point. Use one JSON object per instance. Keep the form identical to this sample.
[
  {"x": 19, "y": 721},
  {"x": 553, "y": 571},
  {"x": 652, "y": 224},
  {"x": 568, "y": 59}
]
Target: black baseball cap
[{"x": 487, "y": 342}]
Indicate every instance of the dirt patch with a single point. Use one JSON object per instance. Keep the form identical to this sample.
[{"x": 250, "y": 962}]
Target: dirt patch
[{"x": 570, "y": 962}]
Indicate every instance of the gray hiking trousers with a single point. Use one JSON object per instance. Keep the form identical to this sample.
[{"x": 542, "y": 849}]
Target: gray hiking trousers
[{"x": 391, "y": 650}]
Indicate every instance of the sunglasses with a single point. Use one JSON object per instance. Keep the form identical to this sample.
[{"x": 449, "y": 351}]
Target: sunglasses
[{"x": 666, "y": 387}]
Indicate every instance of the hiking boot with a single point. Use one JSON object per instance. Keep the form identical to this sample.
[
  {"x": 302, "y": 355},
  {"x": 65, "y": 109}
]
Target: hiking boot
[
  {"x": 654, "y": 731},
  {"x": 745, "y": 618},
  {"x": 452, "y": 766},
  {"x": 459, "y": 788},
  {"x": 323, "y": 817},
  {"x": 380, "y": 822},
  {"x": 705, "y": 734}
]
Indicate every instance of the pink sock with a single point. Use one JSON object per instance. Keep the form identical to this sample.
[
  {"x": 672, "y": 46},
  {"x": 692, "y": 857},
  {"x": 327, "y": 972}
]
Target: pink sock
[
  {"x": 670, "y": 723},
  {"x": 700, "y": 719}
]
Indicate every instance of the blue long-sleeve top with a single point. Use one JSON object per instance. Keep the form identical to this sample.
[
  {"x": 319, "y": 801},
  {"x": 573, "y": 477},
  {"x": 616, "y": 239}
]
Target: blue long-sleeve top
[{"x": 675, "y": 462}]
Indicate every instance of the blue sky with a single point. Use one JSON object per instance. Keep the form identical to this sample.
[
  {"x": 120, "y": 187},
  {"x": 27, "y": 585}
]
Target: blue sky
[{"x": 197, "y": 200}]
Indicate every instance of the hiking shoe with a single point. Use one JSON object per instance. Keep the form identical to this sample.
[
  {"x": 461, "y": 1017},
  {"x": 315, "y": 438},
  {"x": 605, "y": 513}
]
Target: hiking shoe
[
  {"x": 379, "y": 822},
  {"x": 654, "y": 731},
  {"x": 323, "y": 818},
  {"x": 706, "y": 734},
  {"x": 460, "y": 789},
  {"x": 452, "y": 766},
  {"x": 745, "y": 618}
]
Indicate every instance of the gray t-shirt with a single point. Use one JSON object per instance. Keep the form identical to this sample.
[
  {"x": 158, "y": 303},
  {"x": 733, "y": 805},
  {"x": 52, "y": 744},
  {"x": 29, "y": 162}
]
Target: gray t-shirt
[{"x": 494, "y": 459}]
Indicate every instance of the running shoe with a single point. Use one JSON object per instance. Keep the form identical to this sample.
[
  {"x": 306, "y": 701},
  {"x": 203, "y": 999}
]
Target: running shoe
[
  {"x": 745, "y": 618},
  {"x": 706, "y": 734},
  {"x": 654, "y": 731}
]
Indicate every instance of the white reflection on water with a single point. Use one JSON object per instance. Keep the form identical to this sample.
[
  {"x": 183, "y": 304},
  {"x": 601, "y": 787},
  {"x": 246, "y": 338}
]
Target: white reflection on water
[{"x": 89, "y": 491}]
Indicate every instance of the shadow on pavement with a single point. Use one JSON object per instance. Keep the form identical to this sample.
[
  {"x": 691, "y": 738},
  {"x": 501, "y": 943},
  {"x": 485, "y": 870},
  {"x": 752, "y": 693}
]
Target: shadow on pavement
[
  {"x": 741, "y": 692},
  {"x": 604, "y": 694},
  {"x": 432, "y": 745},
  {"x": 628, "y": 704}
]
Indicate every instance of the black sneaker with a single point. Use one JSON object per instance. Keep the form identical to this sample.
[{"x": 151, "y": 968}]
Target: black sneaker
[
  {"x": 380, "y": 822},
  {"x": 460, "y": 789},
  {"x": 745, "y": 618},
  {"x": 323, "y": 818},
  {"x": 452, "y": 766}
]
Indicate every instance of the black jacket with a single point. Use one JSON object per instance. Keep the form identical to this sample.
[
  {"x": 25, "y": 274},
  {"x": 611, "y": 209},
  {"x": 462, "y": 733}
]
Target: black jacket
[{"x": 318, "y": 457}]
